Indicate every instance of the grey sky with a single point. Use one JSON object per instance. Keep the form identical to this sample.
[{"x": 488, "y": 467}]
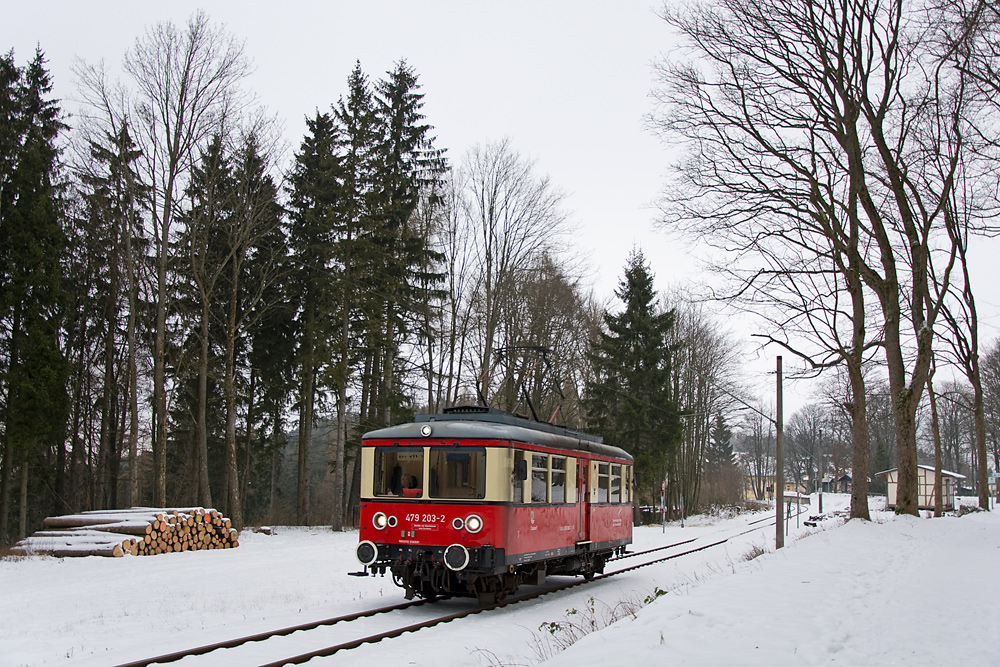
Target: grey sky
[{"x": 568, "y": 81}]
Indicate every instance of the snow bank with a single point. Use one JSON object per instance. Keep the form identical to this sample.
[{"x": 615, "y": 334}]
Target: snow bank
[{"x": 905, "y": 592}]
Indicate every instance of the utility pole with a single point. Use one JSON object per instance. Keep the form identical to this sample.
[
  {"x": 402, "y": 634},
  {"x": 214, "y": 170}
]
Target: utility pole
[
  {"x": 821, "y": 473},
  {"x": 779, "y": 476}
]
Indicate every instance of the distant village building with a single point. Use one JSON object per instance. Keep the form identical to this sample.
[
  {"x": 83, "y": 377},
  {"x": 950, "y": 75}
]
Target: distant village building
[
  {"x": 791, "y": 488},
  {"x": 925, "y": 487},
  {"x": 844, "y": 484},
  {"x": 764, "y": 483}
]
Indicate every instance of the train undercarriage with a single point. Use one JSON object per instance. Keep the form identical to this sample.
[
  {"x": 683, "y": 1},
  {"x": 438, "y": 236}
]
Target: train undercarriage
[{"x": 484, "y": 574}]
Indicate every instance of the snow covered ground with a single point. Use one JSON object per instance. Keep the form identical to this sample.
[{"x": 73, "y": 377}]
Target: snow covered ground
[{"x": 898, "y": 590}]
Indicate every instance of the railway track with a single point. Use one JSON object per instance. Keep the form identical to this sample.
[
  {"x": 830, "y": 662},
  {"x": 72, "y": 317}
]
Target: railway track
[{"x": 375, "y": 637}]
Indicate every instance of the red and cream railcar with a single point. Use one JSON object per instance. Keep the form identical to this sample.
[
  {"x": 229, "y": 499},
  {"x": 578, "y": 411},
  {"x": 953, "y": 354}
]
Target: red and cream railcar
[{"x": 477, "y": 502}]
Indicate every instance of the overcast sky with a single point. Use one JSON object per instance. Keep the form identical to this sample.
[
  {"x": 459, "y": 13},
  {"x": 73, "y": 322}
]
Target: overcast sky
[{"x": 567, "y": 81}]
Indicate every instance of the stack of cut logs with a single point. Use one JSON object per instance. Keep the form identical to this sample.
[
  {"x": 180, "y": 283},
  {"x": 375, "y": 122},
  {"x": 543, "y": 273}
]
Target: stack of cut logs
[{"x": 149, "y": 531}]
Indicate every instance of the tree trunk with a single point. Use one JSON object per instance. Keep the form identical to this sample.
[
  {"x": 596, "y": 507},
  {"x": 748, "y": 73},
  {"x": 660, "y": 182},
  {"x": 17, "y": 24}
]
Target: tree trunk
[
  {"x": 22, "y": 523},
  {"x": 936, "y": 433},
  {"x": 979, "y": 416},
  {"x": 250, "y": 433},
  {"x": 109, "y": 393},
  {"x": 60, "y": 505},
  {"x": 276, "y": 452},
  {"x": 859, "y": 397},
  {"x": 904, "y": 415},
  {"x": 337, "y": 519},
  {"x": 204, "y": 487},
  {"x": 132, "y": 350},
  {"x": 5, "y": 477},
  {"x": 132, "y": 497},
  {"x": 159, "y": 378},
  {"x": 232, "y": 478},
  {"x": 306, "y": 393},
  {"x": 6, "y": 474}
]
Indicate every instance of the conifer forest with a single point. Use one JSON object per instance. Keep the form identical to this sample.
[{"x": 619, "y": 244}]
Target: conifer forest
[{"x": 194, "y": 314}]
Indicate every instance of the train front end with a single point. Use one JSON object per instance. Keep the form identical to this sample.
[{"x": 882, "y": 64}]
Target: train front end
[{"x": 426, "y": 516}]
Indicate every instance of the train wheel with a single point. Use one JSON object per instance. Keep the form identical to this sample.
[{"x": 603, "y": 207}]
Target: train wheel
[
  {"x": 427, "y": 592},
  {"x": 592, "y": 567},
  {"x": 488, "y": 590},
  {"x": 486, "y": 598}
]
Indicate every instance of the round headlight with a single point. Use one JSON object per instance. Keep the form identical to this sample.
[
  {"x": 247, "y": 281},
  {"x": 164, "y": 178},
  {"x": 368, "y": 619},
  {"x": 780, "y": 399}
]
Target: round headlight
[
  {"x": 457, "y": 523},
  {"x": 473, "y": 523},
  {"x": 367, "y": 552},
  {"x": 426, "y": 430},
  {"x": 380, "y": 520},
  {"x": 392, "y": 521},
  {"x": 456, "y": 557}
]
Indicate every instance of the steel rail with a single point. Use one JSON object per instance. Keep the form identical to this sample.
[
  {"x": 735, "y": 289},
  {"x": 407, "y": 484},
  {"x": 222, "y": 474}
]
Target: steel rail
[{"x": 261, "y": 636}]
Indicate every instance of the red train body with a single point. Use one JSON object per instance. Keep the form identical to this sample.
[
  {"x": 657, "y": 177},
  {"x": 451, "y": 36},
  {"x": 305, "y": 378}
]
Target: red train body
[{"x": 477, "y": 502}]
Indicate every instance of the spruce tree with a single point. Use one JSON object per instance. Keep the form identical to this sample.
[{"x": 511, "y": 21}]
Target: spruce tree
[
  {"x": 722, "y": 481},
  {"x": 32, "y": 304},
  {"x": 10, "y": 77},
  {"x": 353, "y": 249},
  {"x": 253, "y": 265},
  {"x": 272, "y": 364},
  {"x": 409, "y": 165},
  {"x": 106, "y": 298},
  {"x": 206, "y": 224},
  {"x": 269, "y": 341},
  {"x": 720, "y": 447},
  {"x": 315, "y": 188},
  {"x": 628, "y": 400}
]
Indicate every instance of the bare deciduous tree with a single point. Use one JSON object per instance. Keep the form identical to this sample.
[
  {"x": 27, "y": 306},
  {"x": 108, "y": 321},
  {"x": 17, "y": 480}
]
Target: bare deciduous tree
[
  {"x": 835, "y": 121},
  {"x": 517, "y": 218},
  {"x": 186, "y": 84},
  {"x": 105, "y": 129},
  {"x": 704, "y": 363}
]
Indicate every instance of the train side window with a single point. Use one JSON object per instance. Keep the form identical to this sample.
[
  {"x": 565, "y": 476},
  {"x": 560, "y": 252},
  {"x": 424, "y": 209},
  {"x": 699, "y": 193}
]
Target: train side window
[
  {"x": 616, "y": 484},
  {"x": 558, "y": 485},
  {"x": 520, "y": 463},
  {"x": 602, "y": 482},
  {"x": 626, "y": 484},
  {"x": 539, "y": 478}
]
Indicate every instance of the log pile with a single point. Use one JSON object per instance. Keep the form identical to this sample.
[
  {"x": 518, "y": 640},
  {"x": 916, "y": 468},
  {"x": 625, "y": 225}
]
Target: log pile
[{"x": 146, "y": 532}]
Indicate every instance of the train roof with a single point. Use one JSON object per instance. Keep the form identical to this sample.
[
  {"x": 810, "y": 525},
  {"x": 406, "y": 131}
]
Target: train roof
[{"x": 475, "y": 422}]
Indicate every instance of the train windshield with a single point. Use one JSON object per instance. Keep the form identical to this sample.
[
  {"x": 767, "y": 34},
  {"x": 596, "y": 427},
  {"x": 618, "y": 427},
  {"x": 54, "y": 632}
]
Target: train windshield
[
  {"x": 457, "y": 473},
  {"x": 399, "y": 471}
]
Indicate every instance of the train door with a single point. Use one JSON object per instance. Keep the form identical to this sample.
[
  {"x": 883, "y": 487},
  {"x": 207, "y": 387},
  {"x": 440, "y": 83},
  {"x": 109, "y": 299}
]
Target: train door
[{"x": 583, "y": 500}]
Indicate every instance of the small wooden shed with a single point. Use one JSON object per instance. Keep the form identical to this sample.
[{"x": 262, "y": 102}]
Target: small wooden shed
[
  {"x": 844, "y": 484},
  {"x": 925, "y": 487}
]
